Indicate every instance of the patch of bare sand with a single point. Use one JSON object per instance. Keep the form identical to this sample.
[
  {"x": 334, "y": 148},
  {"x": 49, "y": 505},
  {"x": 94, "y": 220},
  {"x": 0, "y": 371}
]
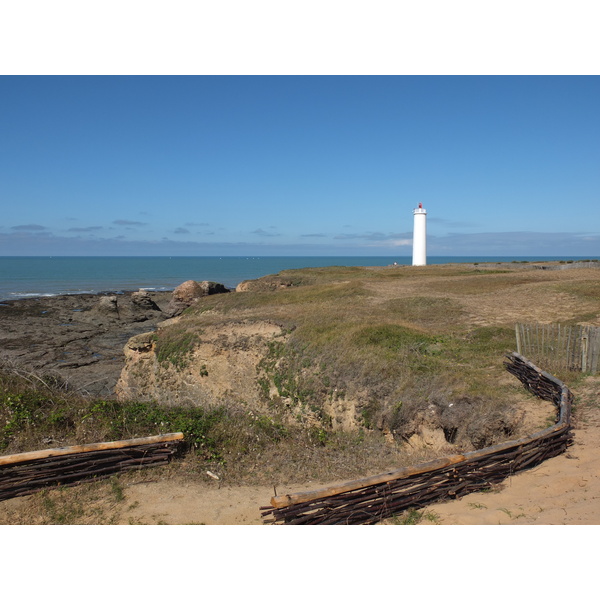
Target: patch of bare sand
[
  {"x": 188, "y": 503},
  {"x": 563, "y": 491}
]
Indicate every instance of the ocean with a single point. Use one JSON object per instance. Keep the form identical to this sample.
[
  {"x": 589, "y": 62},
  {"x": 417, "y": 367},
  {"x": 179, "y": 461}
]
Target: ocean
[{"x": 22, "y": 277}]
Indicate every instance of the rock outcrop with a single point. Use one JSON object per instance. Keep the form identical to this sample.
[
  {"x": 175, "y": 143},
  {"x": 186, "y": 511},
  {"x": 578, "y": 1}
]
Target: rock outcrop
[
  {"x": 190, "y": 291},
  {"x": 131, "y": 308},
  {"x": 218, "y": 367},
  {"x": 78, "y": 337}
]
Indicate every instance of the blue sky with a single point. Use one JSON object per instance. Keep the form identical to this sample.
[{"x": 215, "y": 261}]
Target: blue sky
[{"x": 299, "y": 165}]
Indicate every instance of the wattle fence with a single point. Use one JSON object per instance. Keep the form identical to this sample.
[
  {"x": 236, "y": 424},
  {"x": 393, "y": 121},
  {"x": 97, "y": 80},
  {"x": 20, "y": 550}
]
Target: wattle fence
[
  {"x": 370, "y": 500},
  {"x": 29, "y": 472}
]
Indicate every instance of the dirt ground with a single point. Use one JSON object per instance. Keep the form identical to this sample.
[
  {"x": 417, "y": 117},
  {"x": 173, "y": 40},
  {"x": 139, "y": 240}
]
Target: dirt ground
[{"x": 564, "y": 490}]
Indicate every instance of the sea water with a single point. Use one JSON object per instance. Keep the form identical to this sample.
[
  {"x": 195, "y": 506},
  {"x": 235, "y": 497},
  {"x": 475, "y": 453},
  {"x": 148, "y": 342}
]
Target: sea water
[{"x": 22, "y": 277}]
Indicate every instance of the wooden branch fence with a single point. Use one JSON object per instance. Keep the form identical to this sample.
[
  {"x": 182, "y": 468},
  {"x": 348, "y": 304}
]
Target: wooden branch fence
[
  {"x": 370, "y": 500},
  {"x": 556, "y": 346},
  {"x": 29, "y": 472}
]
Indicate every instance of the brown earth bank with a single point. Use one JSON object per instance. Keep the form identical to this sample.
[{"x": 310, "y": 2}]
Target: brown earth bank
[{"x": 563, "y": 490}]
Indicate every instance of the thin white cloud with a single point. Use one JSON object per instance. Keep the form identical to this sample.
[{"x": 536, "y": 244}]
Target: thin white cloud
[
  {"x": 374, "y": 236},
  {"x": 34, "y": 242},
  {"x": 126, "y": 222},
  {"x": 264, "y": 233},
  {"x": 451, "y": 224}
]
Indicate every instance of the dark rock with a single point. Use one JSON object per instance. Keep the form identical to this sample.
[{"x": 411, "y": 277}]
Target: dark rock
[
  {"x": 143, "y": 300},
  {"x": 79, "y": 338},
  {"x": 190, "y": 291}
]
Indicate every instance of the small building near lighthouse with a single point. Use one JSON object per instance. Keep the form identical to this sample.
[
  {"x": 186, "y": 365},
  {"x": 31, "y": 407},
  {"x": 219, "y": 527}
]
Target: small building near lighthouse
[{"x": 419, "y": 236}]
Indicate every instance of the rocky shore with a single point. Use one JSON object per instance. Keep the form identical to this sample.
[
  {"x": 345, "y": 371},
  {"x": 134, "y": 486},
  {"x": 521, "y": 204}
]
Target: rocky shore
[{"x": 80, "y": 338}]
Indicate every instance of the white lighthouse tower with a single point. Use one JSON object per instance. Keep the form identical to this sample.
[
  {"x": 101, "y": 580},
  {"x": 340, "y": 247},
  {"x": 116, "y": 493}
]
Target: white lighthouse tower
[{"x": 420, "y": 237}]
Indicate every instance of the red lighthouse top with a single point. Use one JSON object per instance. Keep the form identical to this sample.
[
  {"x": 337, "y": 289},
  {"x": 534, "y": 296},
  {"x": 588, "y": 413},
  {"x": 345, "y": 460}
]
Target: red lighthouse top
[{"x": 420, "y": 205}]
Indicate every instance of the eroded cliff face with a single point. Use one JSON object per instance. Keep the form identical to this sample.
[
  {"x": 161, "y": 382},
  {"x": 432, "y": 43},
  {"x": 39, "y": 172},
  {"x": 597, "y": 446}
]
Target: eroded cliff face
[
  {"x": 235, "y": 364},
  {"x": 219, "y": 366},
  {"x": 415, "y": 355}
]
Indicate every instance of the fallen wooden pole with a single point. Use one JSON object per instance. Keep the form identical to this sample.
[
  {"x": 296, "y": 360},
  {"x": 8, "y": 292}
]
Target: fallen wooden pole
[{"x": 40, "y": 454}]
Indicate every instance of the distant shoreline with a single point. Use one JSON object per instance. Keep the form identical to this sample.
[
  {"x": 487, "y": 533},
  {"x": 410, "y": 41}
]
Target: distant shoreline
[{"x": 37, "y": 277}]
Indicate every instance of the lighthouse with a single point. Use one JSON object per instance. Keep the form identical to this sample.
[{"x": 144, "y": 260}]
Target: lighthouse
[{"x": 420, "y": 236}]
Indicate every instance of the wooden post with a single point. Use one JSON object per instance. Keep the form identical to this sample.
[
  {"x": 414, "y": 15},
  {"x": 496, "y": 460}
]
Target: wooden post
[
  {"x": 584, "y": 350},
  {"x": 594, "y": 349}
]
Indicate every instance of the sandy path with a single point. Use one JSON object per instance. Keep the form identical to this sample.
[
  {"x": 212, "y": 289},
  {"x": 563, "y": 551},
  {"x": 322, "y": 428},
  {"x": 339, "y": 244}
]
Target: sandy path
[
  {"x": 196, "y": 504},
  {"x": 564, "y": 490}
]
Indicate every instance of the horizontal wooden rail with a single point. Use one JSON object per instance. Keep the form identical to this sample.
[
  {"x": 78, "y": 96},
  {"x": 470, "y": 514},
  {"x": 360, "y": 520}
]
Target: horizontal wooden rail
[
  {"x": 372, "y": 499},
  {"x": 41, "y": 454}
]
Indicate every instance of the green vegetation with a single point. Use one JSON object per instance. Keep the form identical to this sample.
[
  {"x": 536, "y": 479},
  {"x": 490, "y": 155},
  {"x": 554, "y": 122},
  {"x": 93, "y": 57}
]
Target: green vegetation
[
  {"x": 426, "y": 311},
  {"x": 242, "y": 446},
  {"x": 31, "y": 415},
  {"x": 414, "y": 517},
  {"x": 174, "y": 345}
]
